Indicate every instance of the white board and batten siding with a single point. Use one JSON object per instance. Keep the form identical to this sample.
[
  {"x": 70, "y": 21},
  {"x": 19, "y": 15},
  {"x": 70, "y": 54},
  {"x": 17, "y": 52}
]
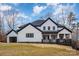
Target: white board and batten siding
[
  {"x": 29, "y": 29},
  {"x": 48, "y": 23},
  {"x": 59, "y": 28},
  {"x": 64, "y": 31},
  {"x": 12, "y": 34}
]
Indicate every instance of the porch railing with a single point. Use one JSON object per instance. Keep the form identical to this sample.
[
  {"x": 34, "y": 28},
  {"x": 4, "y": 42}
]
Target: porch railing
[
  {"x": 64, "y": 41},
  {"x": 58, "y": 41}
]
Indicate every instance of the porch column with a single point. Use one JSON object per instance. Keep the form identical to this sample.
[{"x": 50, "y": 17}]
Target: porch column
[
  {"x": 7, "y": 39},
  {"x": 70, "y": 36},
  {"x": 49, "y": 36},
  {"x": 57, "y": 36},
  {"x": 64, "y": 36}
]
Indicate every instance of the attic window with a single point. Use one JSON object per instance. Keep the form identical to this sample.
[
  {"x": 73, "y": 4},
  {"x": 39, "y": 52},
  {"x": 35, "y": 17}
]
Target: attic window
[
  {"x": 29, "y": 35},
  {"x": 53, "y": 27},
  {"x": 44, "y": 28},
  {"x": 48, "y": 27}
]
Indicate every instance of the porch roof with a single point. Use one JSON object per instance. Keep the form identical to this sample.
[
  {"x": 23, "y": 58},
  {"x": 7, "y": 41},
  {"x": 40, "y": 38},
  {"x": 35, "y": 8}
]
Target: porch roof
[{"x": 50, "y": 32}]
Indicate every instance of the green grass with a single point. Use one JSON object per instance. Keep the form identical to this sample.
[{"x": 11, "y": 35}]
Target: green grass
[{"x": 29, "y": 49}]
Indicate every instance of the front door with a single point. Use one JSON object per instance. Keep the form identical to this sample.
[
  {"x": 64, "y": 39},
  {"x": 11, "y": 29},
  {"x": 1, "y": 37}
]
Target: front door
[
  {"x": 45, "y": 38},
  {"x": 53, "y": 37}
]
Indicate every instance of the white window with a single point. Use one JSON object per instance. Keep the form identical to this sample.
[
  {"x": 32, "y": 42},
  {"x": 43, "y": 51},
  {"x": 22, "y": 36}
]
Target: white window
[
  {"x": 48, "y": 27},
  {"x": 61, "y": 36},
  {"x": 29, "y": 35},
  {"x": 53, "y": 27},
  {"x": 44, "y": 28},
  {"x": 67, "y": 36}
]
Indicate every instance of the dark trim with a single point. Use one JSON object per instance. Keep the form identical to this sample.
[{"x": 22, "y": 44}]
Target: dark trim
[
  {"x": 55, "y": 32},
  {"x": 42, "y": 24},
  {"x": 23, "y": 25},
  {"x": 49, "y": 19},
  {"x": 58, "y": 25},
  {"x": 60, "y": 30},
  {"x": 66, "y": 29},
  {"x": 11, "y": 31},
  {"x": 29, "y": 42},
  {"x": 27, "y": 25}
]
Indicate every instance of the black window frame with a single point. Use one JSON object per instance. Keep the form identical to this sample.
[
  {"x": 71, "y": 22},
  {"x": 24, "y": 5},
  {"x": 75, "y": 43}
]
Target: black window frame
[
  {"x": 48, "y": 27},
  {"x": 53, "y": 27},
  {"x": 29, "y": 35},
  {"x": 61, "y": 36},
  {"x": 67, "y": 36},
  {"x": 44, "y": 28}
]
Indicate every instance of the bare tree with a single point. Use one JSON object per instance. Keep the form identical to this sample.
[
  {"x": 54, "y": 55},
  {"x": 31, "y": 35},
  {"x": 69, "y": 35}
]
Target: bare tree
[
  {"x": 11, "y": 20},
  {"x": 71, "y": 18},
  {"x": 2, "y": 30},
  {"x": 62, "y": 11}
]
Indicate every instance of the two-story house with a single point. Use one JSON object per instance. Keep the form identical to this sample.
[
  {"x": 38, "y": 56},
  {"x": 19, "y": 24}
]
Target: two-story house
[{"x": 40, "y": 31}]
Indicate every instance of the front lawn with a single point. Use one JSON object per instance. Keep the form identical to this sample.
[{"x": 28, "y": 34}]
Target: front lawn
[{"x": 29, "y": 49}]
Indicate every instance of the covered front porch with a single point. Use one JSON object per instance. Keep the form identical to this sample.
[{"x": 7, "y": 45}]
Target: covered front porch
[
  {"x": 49, "y": 37},
  {"x": 54, "y": 37}
]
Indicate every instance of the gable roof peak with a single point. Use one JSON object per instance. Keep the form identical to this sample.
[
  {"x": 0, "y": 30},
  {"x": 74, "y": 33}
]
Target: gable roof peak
[
  {"x": 28, "y": 25},
  {"x": 49, "y": 18},
  {"x": 66, "y": 29},
  {"x": 11, "y": 31}
]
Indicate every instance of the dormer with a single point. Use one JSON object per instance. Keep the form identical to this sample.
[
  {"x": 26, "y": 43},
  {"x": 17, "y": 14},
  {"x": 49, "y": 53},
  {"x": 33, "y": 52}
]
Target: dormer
[{"x": 48, "y": 25}]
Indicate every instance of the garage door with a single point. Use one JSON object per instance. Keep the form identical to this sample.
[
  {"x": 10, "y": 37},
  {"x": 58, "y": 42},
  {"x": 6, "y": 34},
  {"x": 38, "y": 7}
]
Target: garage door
[{"x": 13, "y": 39}]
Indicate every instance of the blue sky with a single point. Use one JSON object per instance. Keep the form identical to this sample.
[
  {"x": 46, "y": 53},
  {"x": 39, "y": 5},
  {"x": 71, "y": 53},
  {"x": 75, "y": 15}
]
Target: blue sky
[
  {"x": 28, "y": 12},
  {"x": 37, "y": 10}
]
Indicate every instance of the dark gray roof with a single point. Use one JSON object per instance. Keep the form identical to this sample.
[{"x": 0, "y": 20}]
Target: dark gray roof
[
  {"x": 27, "y": 25},
  {"x": 40, "y": 22},
  {"x": 37, "y": 22}
]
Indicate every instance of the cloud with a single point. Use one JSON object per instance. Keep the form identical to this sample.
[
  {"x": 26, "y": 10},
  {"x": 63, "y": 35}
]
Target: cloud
[
  {"x": 52, "y": 4},
  {"x": 38, "y": 9},
  {"x": 66, "y": 9},
  {"x": 22, "y": 18},
  {"x": 15, "y": 4},
  {"x": 22, "y": 15},
  {"x": 5, "y": 7}
]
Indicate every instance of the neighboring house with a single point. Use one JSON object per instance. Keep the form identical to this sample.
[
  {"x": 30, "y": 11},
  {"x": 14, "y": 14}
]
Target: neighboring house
[{"x": 40, "y": 31}]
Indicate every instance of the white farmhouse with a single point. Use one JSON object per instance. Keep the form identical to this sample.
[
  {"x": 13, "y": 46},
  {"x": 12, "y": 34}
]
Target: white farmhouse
[{"x": 40, "y": 31}]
